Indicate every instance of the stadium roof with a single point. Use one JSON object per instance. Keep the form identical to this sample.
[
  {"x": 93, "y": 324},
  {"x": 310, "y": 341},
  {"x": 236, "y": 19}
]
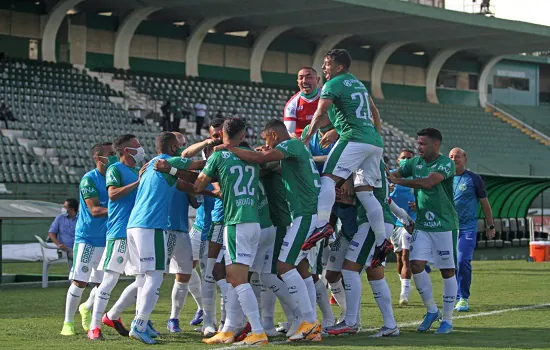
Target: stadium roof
[{"x": 373, "y": 22}]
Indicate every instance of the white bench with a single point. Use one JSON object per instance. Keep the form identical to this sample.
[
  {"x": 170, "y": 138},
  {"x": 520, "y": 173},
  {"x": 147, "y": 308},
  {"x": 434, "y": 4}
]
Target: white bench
[{"x": 48, "y": 259}]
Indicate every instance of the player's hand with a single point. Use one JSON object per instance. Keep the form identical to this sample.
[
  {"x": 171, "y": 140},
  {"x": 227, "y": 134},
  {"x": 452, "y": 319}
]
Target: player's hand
[
  {"x": 490, "y": 233},
  {"x": 217, "y": 193},
  {"x": 63, "y": 247},
  {"x": 412, "y": 205},
  {"x": 162, "y": 166},
  {"x": 392, "y": 177},
  {"x": 329, "y": 138},
  {"x": 221, "y": 148},
  {"x": 306, "y": 141},
  {"x": 142, "y": 170},
  {"x": 294, "y": 136},
  {"x": 347, "y": 189}
]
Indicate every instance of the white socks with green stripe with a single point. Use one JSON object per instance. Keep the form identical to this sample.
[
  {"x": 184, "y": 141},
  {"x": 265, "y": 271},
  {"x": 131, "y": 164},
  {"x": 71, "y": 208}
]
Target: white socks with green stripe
[
  {"x": 74, "y": 294},
  {"x": 424, "y": 287},
  {"x": 102, "y": 296},
  {"x": 326, "y": 199},
  {"x": 450, "y": 288},
  {"x": 352, "y": 287},
  {"x": 179, "y": 294},
  {"x": 195, "y": 288},
  {"x": 375, "y": 214},
  {"x": 299, "y": 293},
  {"x": 382, "y": 296}
]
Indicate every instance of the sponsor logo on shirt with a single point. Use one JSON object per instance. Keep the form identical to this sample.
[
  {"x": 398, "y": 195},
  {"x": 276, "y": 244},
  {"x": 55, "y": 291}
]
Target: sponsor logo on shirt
[
  {"x": 309, "y": 117},
  {"x": 88, "y": 190},
  {"x": 429, "y": 216},
  {"x": 119, "y": 260},
  {"x": 244, "y": 255},
  {"x": 300, "y": 107},
  {"x": 419, "y": 166},
  {"x": 283, "y": 145},
  {"x": 348, "y": 83},
  {"x": 226, "y": 155},
  {"x": 346, "y": 170},
  {"x": 354, "y": 243}
]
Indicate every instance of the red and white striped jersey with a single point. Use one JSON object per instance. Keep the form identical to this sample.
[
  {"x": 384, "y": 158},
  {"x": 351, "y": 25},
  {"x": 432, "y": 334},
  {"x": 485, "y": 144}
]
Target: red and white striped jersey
[{"x": 299, "y": 111}]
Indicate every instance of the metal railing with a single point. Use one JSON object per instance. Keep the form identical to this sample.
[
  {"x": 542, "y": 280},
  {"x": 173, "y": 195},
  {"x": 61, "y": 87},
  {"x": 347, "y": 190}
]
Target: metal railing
[{"x": 538, "y": 128}]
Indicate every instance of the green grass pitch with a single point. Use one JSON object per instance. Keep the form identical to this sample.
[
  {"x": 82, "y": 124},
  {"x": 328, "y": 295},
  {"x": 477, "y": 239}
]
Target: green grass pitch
[{"x": 32, "y": 318}]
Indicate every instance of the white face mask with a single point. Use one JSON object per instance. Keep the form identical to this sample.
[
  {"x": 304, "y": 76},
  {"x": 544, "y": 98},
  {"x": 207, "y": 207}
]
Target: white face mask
[
  {"x": 140, "y": 155},
  {"x": 64, "y": 212}
]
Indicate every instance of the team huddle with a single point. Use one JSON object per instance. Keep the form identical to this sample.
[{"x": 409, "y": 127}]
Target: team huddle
[{"x": 309, "y": 209}]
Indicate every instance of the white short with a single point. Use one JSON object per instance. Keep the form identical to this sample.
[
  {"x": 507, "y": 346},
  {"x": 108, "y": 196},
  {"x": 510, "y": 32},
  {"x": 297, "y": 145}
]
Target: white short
[
  {"x": 181, "y": 259},
  {"x": 115, "y": 256},
  {"x": 147, "y": 250},
  {"x": 264, "y": 254},
  {"x": 301, "y": 228},
  {"x": 318, "y": 257},
  {"x": 401, "y": 239},
  {"x": 86, "y": 259},
  {"x": 337, "y": 254},
  {"x": 215, "y": 234},
  {"x": 361, "y": 247},
  {"x": 220, "y": 259},
  {"x": 438, "y": 248},
  {"x": 241, "y": 243},
  {"x": 195, "y": 236},
  {"x": 363, "y": 159}
]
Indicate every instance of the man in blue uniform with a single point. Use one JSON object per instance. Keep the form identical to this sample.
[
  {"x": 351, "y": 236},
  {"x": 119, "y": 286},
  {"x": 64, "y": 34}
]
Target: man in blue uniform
[{"x": 468, "y": 192}]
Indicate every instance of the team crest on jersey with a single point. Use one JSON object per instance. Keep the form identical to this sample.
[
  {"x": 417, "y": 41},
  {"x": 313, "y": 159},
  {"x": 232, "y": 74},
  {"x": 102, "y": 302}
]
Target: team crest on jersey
[
  {"x": 462, "y": 187},
  {"x": 226, "y": 154},
  {"x": 85, "y": 269},
  {"x": 348, "y": 83},
  {"x": 119, "y": 260}
]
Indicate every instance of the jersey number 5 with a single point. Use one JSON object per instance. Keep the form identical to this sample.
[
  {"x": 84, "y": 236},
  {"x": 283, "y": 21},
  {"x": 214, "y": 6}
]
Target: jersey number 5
[
  {"x": 239, "y": 191},
  {"x": 315, "y": 171},
  {"x": 363, "y": 97}
]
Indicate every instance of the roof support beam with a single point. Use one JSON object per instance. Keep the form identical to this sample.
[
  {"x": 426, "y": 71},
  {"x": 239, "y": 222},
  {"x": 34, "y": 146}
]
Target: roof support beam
[
  {"x": 321, "y": 50},
  {"x": 484, "y": 79},
  {"x": 53, "y": 22},
  {"x": 194, "y": 44},
  {"x": 125, "y": 33},
  {"x": 378, "y": 65},
  {"x": 433, "y": 72},
  {"x": 260, "y": 48}
]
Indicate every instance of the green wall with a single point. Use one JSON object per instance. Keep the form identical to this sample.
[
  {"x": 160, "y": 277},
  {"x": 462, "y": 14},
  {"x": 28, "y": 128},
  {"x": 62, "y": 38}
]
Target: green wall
[
  {"x": 404, "y": 92},
  {"x": 157, "y": 66},
  {"x": 458, "y": 97},
  {"x": 15, "y": 46},
  {"x": 99, "y": 61}
]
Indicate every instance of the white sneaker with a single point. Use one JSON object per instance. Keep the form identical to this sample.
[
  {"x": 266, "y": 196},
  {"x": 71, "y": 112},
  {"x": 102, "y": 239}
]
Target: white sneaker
[
  {"x": 403, "y": 300},
  {"x": 283, "y": 327},
  {"x": 386, "y": 332},
  {"x": 272, "y": 332},
  {"x": 208, "y": 331}
]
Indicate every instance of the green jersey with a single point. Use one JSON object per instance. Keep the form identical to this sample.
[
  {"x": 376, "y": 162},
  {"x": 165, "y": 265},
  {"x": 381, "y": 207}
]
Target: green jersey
[
  {"x": 435, "y": 207},
  {"x": 279, "y": 209},
  {"x": 263, "y": 207},
  {"x": 351, "y": 114},
  {"x": 239, "y": 184},
  {"x": 382, "y": 195},
  {"x": 300, "y": 176}
]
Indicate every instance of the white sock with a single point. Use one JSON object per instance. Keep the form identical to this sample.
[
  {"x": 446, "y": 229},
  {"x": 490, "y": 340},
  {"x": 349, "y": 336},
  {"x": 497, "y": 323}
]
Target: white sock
[
  {"x": 257, "y": 288},
  {"x": 208, "y": 293},
  {"x": 234, "y": 313},
  {"x": 140, "y": 280},
  {"x": 179, "y": 294},
  {"x": 272, "y": 282},
  {"x": 102, "y": 296},
  {"x": 250, "y": 306},
  {"x": 375, "y": 214},
  {"x": 312, "y": 295},
  {"x": 382, "y": 295},
  {"x": 224, "y": 287},
  {"x": 352, "y": 287},
  {"x": 89, "y": 303},
  {"x": 424, "y": 287},
  {"x": 195, "y": 288},
  {"x": 126, "y": 299},
  {"x": 299, "y": 293},
  {"x": 337, "y": 289},
  {"x": 405, "y": 288},
  {"x": 326, "y": 199},
  {"x": 74, "y": 294},
  {"x": 148, "y": 298},
  {"x": 321, "y": 295},
  {"x": 450, "y": 288},
  {"x": 268, "y": 308}
]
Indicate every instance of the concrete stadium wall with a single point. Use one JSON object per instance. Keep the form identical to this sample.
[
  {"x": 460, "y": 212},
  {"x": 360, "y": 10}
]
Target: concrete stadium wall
[{"x": 512, "y": 96}]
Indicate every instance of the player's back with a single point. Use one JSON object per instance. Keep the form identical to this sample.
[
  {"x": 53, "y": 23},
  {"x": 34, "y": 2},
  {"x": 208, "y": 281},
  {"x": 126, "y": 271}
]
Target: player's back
[
  {"x": 91, "y": 229},
  {"x": 239, "y": 183},
  {"x": 120, "y": 175},
  {"x": 263, "y": 206},
  {"x": 301, "y": 177},
  {"x": 178, "y": 216},
  {"x": 351, "y": 115}
]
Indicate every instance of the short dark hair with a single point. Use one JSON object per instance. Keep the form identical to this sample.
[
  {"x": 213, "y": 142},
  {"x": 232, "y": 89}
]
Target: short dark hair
[
  {"x": 233, "y": 126},
  {"x": 164, "y": 141},
  {"x": 274, "y": 124},
  {"x": 73, "y": 203},
  {"x": 408, "y": 150},
  {"x": 340, "y": 56},
  {"x": 310, "y": 68},
  {"x": 386, "y": 159},
  {"x": 97, "y": 146},
  {"x": 217, "y": 122},
  {"x": 244, "y": 144},
  {"x": 121, "y": 140},
  {"x": 432, "y": 133}
]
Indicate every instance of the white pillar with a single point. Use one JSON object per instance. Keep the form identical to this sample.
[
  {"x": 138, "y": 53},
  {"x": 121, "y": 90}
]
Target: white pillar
[
  {"x": 260, "y": 48},
  {"x": 484, "y": 79},
  {"x": 378, "y": 65},
  {"x": 433, "y": 72},
  {"x": 53, "y": 22},
  {"x": 194, "y": 44},
  {"x": 321, "y": 50}
]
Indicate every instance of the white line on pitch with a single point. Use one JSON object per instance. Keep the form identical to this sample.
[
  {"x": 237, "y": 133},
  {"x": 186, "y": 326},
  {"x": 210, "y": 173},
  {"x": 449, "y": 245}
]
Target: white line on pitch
[{"x": 410, "y": 324}]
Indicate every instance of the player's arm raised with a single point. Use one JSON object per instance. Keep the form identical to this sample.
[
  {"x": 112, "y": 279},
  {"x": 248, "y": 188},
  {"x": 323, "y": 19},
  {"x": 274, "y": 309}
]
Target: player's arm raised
[
  {"x": 375, "y": 116},
  {"x": 194, "y": 149},
  {"x": 257, "y": 157},
  {"x": 423, "y": 184},
  {"x": 165, "y": 166},
  {"x": 320, "y": 118}
]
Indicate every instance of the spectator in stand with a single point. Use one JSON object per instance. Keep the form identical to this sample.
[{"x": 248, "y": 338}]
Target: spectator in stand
[
  {"x": 6, "y": 114},
  {"x": 165, "y": 120},
  {"x": 61, "y": 231},
  {"x": 200, "y": 114},
  {"x": 219, "y": 115}
]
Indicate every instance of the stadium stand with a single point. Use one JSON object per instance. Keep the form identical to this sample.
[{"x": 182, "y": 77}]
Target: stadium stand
[{"x": 536, "y": 116}]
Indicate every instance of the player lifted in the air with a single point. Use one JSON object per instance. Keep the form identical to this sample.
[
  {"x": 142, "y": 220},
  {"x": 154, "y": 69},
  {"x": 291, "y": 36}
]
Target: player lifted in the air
[{"x": 358, "y": 151}]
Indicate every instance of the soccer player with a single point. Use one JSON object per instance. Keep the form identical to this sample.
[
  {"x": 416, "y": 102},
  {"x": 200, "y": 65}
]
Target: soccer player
[
  {"x": 435, "y": 235},
  {"x": 358, "y": 150},
  {"x": 468, "y": 192},
  {"x": 301, "y": 180},
  {"x": 122, "y": 183},
  {"x": 401, "y": 239},
  {"x": 239, "y": 181},
  {"x": 300, "y": 108},
  {"x": 90, "y": 231},
  {"x": 360, "y": 252},
  {"x": 149, "y": 218}
]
